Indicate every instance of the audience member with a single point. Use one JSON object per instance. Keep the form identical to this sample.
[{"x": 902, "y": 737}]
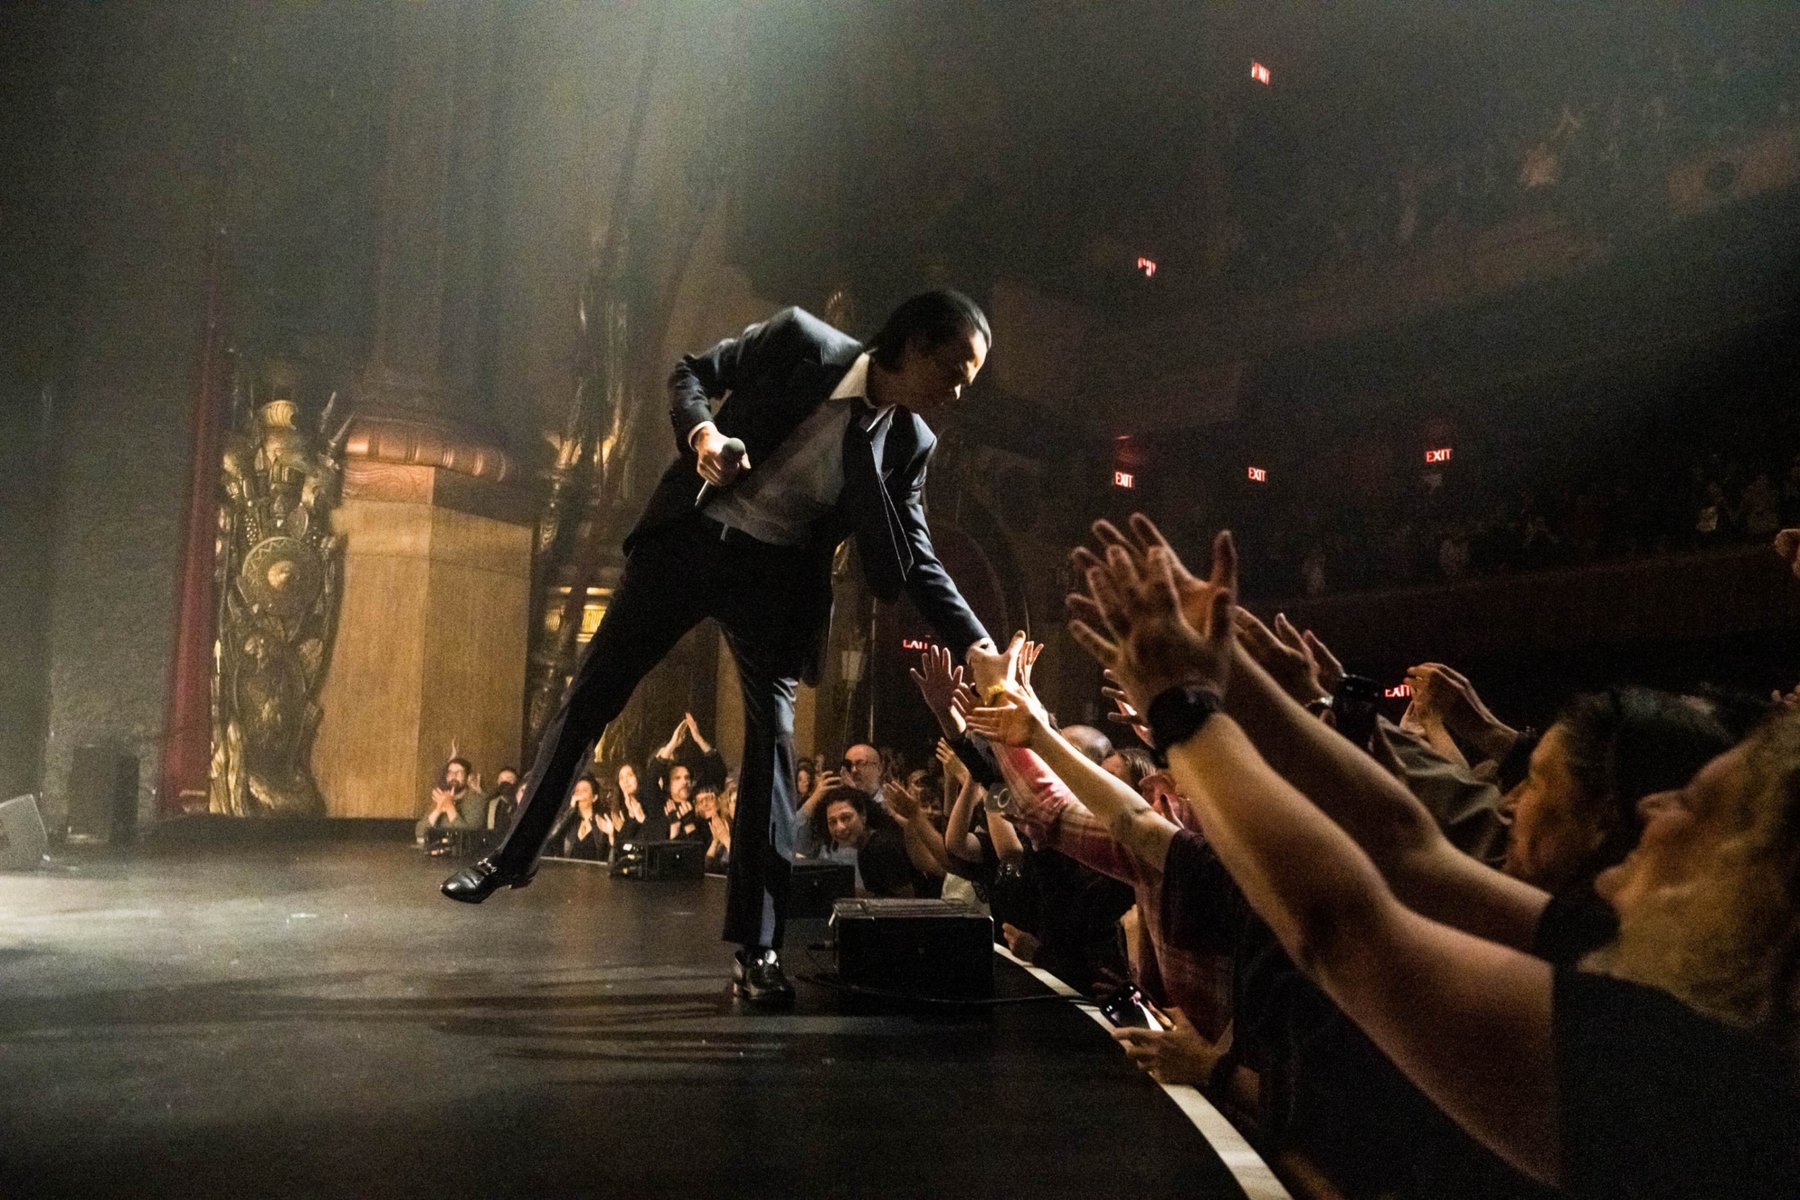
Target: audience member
[
  {"x": 586, "y": 830},
  {"x": 456, "y": 802},
  {"x": 1644, "y": 1047},
  {"x": 839, "y": 824}
]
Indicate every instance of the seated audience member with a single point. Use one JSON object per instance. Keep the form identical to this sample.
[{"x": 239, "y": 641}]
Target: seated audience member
[
  {"x": 502, "y": 801},
  {"x": 862, "y": 770},
  {"x": 1641, "y": 1047},
  {"x": 709, "y": 809},
  {"x": 631, "y": 823},
  {"x": 704, "y": 766},
  {"x": 456, "y": 801},
  {"x": 587, "y": 828},
  {"x": 806, "y": 777},
  {"x": 841, "y": 825}
]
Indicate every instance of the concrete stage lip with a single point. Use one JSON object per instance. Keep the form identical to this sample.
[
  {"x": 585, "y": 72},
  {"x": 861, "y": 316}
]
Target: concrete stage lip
[{"x": 312, "y": 1019}]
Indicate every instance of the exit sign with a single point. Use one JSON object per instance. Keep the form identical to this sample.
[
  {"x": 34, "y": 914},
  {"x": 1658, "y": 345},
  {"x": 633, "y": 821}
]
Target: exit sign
[
  {"x": 1259, "y": 475},
  {"x": 1124, "y": 479},
  {"x": 1441, "y": 455}
]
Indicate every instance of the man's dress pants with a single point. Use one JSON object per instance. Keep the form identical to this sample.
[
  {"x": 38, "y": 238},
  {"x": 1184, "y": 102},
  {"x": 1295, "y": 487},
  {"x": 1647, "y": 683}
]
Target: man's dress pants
[{"x": 771, "y": 611}]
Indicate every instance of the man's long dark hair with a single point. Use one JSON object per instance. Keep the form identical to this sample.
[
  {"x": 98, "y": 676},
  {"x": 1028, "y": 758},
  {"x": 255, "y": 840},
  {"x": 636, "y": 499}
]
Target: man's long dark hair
[{"x": 934, "y": 318}]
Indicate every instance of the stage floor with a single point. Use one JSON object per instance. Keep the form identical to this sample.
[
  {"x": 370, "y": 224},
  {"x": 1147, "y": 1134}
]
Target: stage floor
[{"x": 315, "y": 1020}]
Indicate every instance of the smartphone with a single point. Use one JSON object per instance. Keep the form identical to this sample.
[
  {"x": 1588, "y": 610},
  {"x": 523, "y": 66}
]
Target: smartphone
[
  {"x": 1354, "y": 708},
  {"x": 1127, "y": 1009}
]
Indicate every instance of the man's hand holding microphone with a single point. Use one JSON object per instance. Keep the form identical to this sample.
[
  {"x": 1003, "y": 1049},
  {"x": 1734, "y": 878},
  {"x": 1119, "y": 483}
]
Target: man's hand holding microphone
[{"x": 718, "y": 459}]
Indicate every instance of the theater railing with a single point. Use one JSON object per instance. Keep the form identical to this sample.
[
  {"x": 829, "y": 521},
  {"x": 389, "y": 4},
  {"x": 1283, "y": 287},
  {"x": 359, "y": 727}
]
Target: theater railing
[{"x": 1715, "y": 593}]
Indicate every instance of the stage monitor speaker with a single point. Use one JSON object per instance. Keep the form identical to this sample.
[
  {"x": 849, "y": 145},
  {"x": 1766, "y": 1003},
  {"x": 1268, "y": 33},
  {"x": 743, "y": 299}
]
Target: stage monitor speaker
[
  {"x": 23, "y": 839},
  {"x": 815, "y": 887},
  {"x": 103, "y": 796},
  {"x": 937, "y": 949},
  {"x": 660, "y": 860}
]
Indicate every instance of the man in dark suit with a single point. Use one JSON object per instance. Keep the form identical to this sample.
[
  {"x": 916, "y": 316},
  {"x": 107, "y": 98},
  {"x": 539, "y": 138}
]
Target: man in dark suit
[{"x": 801, "y": 437}]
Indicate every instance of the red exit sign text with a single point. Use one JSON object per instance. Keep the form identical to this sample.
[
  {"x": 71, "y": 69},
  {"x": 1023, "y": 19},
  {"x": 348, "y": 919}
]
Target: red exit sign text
[
  {"x": 1441, "y": 455},
  {"x": 1259, "y": 474},
  {"x": 1124, "y": 479}
]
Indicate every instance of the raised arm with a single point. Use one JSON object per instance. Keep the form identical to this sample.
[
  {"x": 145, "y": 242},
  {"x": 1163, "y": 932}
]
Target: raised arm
[
  {"x": 924, "y": 844},
  {"x": 1467, "y": 1020},
  {"x": 1039, "y": 758},
  {"x": 960, "y": 844},
  {"x": 1385, "y": 820}
]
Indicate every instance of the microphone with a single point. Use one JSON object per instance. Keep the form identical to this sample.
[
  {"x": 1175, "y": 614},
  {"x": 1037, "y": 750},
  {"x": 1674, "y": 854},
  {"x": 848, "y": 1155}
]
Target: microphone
[{"x": 732, "y": 452}]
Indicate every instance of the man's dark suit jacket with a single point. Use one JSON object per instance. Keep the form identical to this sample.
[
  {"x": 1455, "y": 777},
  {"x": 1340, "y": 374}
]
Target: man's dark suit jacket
[{"x": 771, "y": 378}]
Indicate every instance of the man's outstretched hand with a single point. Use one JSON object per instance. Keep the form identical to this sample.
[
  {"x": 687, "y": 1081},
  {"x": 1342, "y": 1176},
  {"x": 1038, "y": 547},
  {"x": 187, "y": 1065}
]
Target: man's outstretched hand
[{"x": 991, "y": 670}]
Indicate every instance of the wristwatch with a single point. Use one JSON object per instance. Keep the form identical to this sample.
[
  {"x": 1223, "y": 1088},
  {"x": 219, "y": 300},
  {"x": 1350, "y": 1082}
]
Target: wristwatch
[{"x": 1177, "y": 714}]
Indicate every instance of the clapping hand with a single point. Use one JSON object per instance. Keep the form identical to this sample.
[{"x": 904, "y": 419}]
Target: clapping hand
[
  {"x": 1138, "y": 616},
  {"x": 901, "y": 801}
]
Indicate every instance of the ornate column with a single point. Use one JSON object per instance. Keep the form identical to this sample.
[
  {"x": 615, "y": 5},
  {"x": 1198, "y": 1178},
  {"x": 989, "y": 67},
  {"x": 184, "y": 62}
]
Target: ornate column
[{"x": 437, "y": 566}]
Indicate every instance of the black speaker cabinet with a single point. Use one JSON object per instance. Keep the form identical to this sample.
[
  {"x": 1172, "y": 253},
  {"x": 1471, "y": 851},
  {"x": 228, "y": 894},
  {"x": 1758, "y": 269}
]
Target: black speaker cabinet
[
  {"x": 660, "y": 860},
  {"x": 103, "y": 796},
  {"x": 942, "y": 949},
  {"x": 814, "y": 887}
]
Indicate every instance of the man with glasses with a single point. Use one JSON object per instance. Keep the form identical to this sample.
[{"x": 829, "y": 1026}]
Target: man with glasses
[{"x": 802, "y": 437}]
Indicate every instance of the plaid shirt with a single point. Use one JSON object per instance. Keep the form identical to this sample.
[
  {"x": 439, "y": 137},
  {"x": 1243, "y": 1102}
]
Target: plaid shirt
[{"x": 1184, "y": 963}]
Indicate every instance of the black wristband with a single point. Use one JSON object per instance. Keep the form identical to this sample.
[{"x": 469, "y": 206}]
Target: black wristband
[{"x": 1177, "y": 713}]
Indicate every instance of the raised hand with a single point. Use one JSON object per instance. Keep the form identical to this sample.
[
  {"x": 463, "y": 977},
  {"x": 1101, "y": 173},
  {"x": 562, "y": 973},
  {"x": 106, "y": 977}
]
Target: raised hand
[
  {"x": 1011, "y": 720},
  {"x": 1195, "y": 593},
  {"x": 1283, "y": 653},
  {"x": 901, "y": 801},
  {"x": 1331, "y": 671},
  {"x": 1446, "y": 694},
  {"x": 1134, "y": 619},
  {"x": 954, "y": 770},
  {"x": 992, "y": 670},
  {"x": 1123, "y": 713},
  {"x": 938, "y": 677},
  {"x": 1028, "y": 657}
]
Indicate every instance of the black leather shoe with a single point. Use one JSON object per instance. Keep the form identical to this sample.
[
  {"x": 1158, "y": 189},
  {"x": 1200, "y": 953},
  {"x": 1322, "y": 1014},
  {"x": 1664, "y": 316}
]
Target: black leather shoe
[
  {"x": 477, "y": 882},
  {"x": 760, "y": 981}
]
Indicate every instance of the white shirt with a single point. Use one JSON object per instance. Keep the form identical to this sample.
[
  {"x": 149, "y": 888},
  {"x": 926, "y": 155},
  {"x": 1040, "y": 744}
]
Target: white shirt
[{"x": 780, "y": 500}]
